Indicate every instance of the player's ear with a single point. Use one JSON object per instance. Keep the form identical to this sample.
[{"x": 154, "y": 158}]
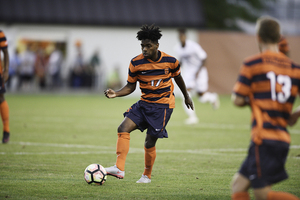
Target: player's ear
[{"x": 157, "y": 45}]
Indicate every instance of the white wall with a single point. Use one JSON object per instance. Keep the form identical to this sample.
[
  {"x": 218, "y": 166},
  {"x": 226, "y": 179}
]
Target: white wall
[{"x": 117, "y": 45}]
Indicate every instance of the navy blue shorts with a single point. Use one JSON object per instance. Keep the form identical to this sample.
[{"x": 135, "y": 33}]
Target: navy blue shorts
[
  {"x": 2, "y": 86},
  {"x": 264, "y": 164},
  {"x": 150, "y": 117}
]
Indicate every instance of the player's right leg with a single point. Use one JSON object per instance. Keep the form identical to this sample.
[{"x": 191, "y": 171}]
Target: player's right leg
[
  {"x": 118, "y": 170},
  {"x": 4, "y": 111}
]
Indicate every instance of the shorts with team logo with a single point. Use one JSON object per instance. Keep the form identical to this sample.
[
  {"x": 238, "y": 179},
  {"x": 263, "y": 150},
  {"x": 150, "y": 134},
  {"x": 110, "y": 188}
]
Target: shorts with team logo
[
  {"x": 264, "y": 164},
  {"x": 151, "y": 117},
  {"x": 2, "y": 86}
]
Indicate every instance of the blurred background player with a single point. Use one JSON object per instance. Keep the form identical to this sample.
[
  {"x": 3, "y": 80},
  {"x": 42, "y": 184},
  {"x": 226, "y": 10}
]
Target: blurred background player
[
  {"x": 154, "y": 70},
  {"x": 4, "y": 70},
  {"x": 284, "y": 46},
  {"x": 269, "y": 83},
  {"x": 192, "y": 60}
]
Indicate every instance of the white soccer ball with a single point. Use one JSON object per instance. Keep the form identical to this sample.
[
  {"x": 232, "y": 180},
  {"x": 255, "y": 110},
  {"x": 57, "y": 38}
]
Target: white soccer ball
[{"x": 95, "y": 173}]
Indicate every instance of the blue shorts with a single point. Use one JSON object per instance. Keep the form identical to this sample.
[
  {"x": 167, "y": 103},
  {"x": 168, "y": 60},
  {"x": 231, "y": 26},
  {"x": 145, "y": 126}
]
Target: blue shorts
[
  {"x": 2, "y": 86},
  {"x": 150, "y": 117},
  {"x": 264, "y": 164}
]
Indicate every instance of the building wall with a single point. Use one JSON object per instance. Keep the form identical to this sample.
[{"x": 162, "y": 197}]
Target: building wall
[
  {"x": 117, "y": 46},
  {"x": 226, "y": 52}
]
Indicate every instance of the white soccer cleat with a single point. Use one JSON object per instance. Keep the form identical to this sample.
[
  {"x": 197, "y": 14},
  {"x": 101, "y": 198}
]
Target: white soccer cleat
[
  {"x": 144, "y": 179},
  {"x": 114, "y": 171},
  {"x": 191, "y": 120}
]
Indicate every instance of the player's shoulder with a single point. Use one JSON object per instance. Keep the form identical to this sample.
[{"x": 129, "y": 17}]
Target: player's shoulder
[
  {"x": 2, "y": 34},
  {"x": 167, "y": 58},
  {"x": 253, "y": 60},
  {"x": 138, "y": 60}
]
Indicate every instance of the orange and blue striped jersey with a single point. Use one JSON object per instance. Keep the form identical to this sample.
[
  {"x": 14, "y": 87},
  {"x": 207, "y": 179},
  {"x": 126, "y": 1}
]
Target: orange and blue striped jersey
[
  {"x": 154, "y": 78},
  {"x": 3, "y": 41},
  {"x": 3, "y": 45},
  {"x": 272, "y": 82}
]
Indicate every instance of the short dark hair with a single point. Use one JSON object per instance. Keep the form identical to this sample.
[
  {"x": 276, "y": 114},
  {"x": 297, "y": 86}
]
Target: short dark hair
[
  {"x": 182, "y": 30},
  {"x": 152, "y": 33},
  {"x": 268, "y": 29}
]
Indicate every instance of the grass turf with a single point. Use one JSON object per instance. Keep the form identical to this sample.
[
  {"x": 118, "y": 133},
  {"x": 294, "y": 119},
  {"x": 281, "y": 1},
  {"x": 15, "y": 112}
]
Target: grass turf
[{"x": 55, "y": 137}]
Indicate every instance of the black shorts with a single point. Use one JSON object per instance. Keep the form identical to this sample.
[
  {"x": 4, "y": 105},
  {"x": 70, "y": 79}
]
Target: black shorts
[
  {"x": 2, "y": 85},
  {"x": 264, "y": 164},
  {"x": 150, "y": 117}
]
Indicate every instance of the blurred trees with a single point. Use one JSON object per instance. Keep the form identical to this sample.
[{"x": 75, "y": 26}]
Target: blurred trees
[{"x": 222, "y": 14}]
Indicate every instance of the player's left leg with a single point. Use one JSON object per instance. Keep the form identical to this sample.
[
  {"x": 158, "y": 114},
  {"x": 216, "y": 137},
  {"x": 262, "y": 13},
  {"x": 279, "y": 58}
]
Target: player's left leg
[
  {"x": 4, "y": 110},
  {"x": 239, "y": 187},
  {"x": 150, "y": 155}
]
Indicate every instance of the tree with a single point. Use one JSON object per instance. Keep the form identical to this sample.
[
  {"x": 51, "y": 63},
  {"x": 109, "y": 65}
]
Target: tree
[{"x": 222, "y": 14}]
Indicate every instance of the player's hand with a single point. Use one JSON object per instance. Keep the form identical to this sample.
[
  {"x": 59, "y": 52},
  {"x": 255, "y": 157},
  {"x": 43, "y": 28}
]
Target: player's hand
[
  {"x": 189, "y": 103},
  {"x": 293, "y": 118},
  {"x": 109, "y": 93}
]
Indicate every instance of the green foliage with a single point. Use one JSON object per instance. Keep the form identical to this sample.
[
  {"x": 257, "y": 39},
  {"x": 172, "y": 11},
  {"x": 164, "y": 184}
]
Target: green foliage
[
  {"x": 221, "y": 14},
  {"x": 55, "y": 137}
]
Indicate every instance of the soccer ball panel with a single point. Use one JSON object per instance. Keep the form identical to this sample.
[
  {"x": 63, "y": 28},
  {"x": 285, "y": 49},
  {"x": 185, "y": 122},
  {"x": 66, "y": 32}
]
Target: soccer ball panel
[{"x": 95, "y": 173}]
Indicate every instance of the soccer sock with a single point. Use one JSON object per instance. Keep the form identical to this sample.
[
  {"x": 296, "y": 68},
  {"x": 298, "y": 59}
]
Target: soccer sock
[
  {"x": 150, "y": 155},
  {"x": 240, "y": 196},
  {"x": 281, "y": 195},
  {"x": 122, "y": 149},
  {"x": 4, "y": 110}
]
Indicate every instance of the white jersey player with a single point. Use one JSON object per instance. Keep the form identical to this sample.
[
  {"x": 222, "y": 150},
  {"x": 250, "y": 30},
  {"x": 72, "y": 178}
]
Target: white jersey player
[{"x": 192, "y": 59}]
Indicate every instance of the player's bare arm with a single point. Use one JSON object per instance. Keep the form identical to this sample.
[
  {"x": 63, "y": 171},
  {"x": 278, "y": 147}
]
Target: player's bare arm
[
  {"x": 187, "y": 99},
  {"x": 126, "y": 90},
  {"x": 6, "y": 65},
  {"x": 294, "y": 117}
]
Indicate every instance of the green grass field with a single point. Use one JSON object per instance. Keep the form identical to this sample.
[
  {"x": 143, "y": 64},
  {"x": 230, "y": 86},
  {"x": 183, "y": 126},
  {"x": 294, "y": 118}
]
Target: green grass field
[{"x": 55, "y": 137}]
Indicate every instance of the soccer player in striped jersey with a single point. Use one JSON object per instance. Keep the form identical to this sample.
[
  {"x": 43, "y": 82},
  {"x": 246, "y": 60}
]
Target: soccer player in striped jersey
[
  {"x": 4, "y": 109},
  {"x": 154, "y": 70},
  {"x": 269, "y": 83}
]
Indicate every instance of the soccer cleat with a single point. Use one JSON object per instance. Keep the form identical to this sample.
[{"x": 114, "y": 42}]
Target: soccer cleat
[
  {"x": 5, "y": 138},
  {"x": 191, "y": 120},
  {"x": 144, "y": 179},
  {"x": 114, "y": 171}
]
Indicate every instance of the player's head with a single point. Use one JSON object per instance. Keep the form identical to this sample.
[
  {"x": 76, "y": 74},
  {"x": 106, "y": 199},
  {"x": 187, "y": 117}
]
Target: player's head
[
  {"x": 268, "y": 30},
  {"x": 284, "y": 46},
  {"x": 149, "y": 36},
  {"x": 182, "y": 35}
]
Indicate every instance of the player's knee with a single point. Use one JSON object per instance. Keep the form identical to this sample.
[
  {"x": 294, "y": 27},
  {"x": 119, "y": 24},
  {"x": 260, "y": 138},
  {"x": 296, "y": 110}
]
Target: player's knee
[
  {"x": 239, "y": 184},
  {"x": 2, "y": 98},
  {"x": 149, "y": 144},
  {"x": 262, "y": 193}
]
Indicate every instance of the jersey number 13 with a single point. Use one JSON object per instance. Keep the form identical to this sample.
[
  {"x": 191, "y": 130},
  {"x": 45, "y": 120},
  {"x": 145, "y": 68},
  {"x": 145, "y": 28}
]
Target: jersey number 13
[{"x": 286, "y": 83}]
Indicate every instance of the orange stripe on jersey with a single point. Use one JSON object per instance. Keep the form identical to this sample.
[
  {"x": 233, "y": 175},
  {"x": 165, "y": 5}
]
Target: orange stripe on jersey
[
  {"x": 272, "y": 82},
  {"x": 3, "y": 41},
  {"x": 155, "y": 78},
  {"x": 269, "y": 104},
  {"x": 242, "y": 89}
]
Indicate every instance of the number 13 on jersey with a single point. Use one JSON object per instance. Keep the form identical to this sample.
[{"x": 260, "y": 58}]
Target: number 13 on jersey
[{"x": 286, "y": 83}]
